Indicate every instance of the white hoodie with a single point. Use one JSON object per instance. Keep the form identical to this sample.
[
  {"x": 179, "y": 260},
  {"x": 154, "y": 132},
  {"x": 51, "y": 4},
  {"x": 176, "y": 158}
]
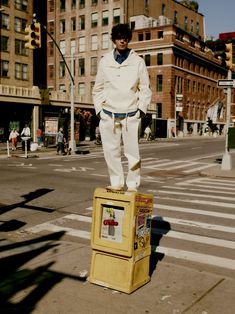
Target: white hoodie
[{"x": 122, "y": 88}]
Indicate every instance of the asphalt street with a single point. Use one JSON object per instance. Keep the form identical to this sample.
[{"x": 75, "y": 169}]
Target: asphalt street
[{"x": 46, "y": 209}]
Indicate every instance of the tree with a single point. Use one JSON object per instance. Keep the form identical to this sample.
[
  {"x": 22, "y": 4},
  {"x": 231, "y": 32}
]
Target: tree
[{"x": 193, "y": 5}]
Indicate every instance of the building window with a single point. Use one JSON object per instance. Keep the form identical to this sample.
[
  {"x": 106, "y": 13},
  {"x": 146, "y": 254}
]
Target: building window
[
  {"x": 94, "y": 19},
  {"x": 94, "y": 42},
  {"x": 160, "y": 59},
  {"x": 116, "y": 16},
  {"x": 81, "y": 4},
  {"x": 81, "y": 44},
  {"x": 140, "y": 37},
  {"x": 163, "y": 9},
  {"x": 4, "y": 68},
  {"x": 62, "y": 26},
  {"x": 73, "y": 24},
  {"x": 21, "y": 71},
  {"x": 62, "y": 88},
  {"x": 73, "y": 4},
  {"x": 94, "y": 2},
  {"x": 81, "y": 67},
  {"x": 81, "y": 88},
  {"x": 148, "y": 36},
  {"x": 51, "y": 5},
  {"x": 82, "y": 22},
  {"x": 147, "y": 59},
  {"x": 21, "y": 5},
  {"x": 62, "y": 5},
  {"x": 159, "y": 83},
  {"x": 191, "y": 26},
  {"x": 175, "y": 17},
  {"x": 5, "y": 21},
  {"x": 72, "y": 46},
  {"x": 93, "y": 65},
  {"x": 5, "y": 2},
  {"x": 4, "y": 43},
  {"x": 20, "y": 47},
  {"x": 160, "y": 34},
  {"x": 62, "y": 47},
  {"x": 105, "y": 18},
  {"x": 185, "y": 23},
  {"x": 105, "y": 41},
  {"x": 105, "y": 1},
  {"x": 51, "y": 49},
  {"x": 51, "y": 27},
  {"x": 51, "y": 71},
  {"x": 20, "y": 24},
  {"x": 197, "y": 28},
  {"x": 62, "y": 69},
  {"x": 159, "y": 110}
]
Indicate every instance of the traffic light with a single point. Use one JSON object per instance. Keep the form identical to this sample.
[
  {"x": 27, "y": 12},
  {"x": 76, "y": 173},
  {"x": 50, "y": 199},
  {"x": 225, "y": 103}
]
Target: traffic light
[
  {"x": 33, "y": 36},
  {"x": 225, "y": 53},
  {"x": 229, "y": 56}
]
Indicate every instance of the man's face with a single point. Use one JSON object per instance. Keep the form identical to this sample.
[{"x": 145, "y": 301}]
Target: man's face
[{"x": 121, "y": 44}]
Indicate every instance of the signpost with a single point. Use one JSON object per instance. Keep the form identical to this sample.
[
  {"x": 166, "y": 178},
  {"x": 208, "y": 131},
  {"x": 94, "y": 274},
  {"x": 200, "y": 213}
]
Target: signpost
[{"x": 229, "y": 84}]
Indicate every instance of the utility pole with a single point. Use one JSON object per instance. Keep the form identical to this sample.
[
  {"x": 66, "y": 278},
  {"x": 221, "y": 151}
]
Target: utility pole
[
  {"x": 227, "y": 160},
  {"x": 72, "y": 143}
]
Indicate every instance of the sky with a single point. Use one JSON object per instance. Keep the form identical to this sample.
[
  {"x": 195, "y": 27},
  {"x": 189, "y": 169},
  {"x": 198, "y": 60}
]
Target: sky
[{"x": 219, "y": 16}]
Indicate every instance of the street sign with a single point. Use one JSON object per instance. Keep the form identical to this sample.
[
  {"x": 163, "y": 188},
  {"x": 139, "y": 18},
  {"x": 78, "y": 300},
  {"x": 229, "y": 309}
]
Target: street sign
[{"x": 226, "y": 83}]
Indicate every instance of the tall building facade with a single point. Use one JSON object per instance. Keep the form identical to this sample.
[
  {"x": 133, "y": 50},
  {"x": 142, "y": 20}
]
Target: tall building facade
[{"x": 36, "y": 85}]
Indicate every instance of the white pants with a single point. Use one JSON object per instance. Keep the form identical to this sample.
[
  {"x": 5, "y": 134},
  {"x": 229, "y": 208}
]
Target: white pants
[{"x": 111, "y": 136}]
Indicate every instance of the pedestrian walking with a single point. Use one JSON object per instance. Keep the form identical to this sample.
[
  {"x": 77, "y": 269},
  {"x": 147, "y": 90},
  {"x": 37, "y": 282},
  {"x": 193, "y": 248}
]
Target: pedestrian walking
[
  {"x": 39, "y": 136},
  {"x": 25, "y": 135},
  {"x": 60, "y": 142},
  {"x": 121, "y": 96},
  {"x": 147, "y": 133},
  {"x": 13, "y": 138}
]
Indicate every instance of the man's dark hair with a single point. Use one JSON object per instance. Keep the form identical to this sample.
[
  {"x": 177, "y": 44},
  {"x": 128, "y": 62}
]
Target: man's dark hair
[{"x": 121, "y": 31}]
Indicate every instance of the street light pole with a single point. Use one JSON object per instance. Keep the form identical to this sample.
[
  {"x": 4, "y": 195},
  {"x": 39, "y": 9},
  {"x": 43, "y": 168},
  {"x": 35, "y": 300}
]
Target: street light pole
[
  {"x": 227, "y": 160},
  {"x": 72, "y": 143}
]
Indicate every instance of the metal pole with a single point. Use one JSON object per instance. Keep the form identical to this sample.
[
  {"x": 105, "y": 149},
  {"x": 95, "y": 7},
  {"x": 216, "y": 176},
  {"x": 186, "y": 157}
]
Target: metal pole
[
  {"x": 227, "y": 160},
  {"x": 72, "y": 143}
]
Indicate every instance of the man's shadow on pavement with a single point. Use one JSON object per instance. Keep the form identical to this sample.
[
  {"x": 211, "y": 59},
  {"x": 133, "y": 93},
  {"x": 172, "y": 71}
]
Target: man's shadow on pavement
[
  {"x": 159, "y": 228},
  {"x": 15, "y": 224},
  {"x": 30, "y": 284}
]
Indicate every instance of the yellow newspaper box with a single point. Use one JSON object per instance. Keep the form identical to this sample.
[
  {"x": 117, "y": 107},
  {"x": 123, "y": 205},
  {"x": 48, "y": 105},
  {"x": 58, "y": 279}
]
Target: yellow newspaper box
[{"x": 120, "y": 239}]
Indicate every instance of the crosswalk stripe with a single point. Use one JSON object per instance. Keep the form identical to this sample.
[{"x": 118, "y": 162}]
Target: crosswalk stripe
[
  {"x": 197, "y": 195},
  {"x": 48, "y": 226},
  {"x": 219, "y": 187},
  {"x": 197, "y": 257},
  {"x": 195, "y": 238},
  {"x": 194, "y": 211},
  {"x": 196, "y": 189},
  {"x": 199, "y": 168},
  {"x": 199, "y": 202}
]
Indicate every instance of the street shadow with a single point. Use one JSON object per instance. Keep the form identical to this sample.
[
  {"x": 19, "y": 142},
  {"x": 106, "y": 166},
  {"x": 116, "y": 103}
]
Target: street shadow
[
  {"x": 159, "y": 228},
  {"x": 21, "y": 287},
  {"x": 16, "y": 224}
]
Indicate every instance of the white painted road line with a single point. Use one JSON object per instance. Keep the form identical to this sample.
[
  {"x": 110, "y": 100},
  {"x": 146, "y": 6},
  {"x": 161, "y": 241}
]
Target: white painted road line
[
  {"x": 198, "y": 190},
  {"x": 197, "y": 257},
  {"x": 194, "y": 211}
]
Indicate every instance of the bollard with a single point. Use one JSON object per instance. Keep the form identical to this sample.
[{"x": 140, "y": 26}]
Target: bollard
[{"x": 8, "y": 149}]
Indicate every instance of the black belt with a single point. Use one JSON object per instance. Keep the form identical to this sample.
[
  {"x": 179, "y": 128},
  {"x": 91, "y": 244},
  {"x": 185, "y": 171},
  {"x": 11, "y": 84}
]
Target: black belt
[{"x": 120, "y": 115}]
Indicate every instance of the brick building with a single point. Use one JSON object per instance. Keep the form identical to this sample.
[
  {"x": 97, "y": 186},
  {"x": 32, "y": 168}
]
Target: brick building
[{"x": 37, "y": 84}]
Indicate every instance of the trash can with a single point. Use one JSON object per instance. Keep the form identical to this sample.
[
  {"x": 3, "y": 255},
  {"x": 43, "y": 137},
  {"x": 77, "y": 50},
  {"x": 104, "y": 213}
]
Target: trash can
[
  {"x": 231, "y": 138},
  {"x": 120, "y": 239}
]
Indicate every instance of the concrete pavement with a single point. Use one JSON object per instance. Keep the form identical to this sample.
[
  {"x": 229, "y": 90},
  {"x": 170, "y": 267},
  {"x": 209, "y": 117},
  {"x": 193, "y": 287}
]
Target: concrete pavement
[{"x": 44, "y": 276}]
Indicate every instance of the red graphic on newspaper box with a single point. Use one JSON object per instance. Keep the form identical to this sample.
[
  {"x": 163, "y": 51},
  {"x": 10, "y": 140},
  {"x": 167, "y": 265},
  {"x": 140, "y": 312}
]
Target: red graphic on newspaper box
[{"x": 111, "y": 228}]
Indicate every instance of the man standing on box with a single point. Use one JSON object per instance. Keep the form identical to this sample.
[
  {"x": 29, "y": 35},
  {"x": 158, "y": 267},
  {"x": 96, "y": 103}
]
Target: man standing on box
[{"x": 121, "y": 96}]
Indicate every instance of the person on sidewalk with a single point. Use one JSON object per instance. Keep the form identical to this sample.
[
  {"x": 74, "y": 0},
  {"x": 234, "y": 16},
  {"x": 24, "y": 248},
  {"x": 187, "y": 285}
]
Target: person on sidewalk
[
  {"x": 121, "y": 96},
  {"x": 25, "y": 134},
  {"x": 13, "y": 138},
  {"x": 60, "y": 142}
]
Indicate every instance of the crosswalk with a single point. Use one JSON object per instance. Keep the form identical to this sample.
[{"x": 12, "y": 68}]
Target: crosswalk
[{"x": 193, "y": 221}]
